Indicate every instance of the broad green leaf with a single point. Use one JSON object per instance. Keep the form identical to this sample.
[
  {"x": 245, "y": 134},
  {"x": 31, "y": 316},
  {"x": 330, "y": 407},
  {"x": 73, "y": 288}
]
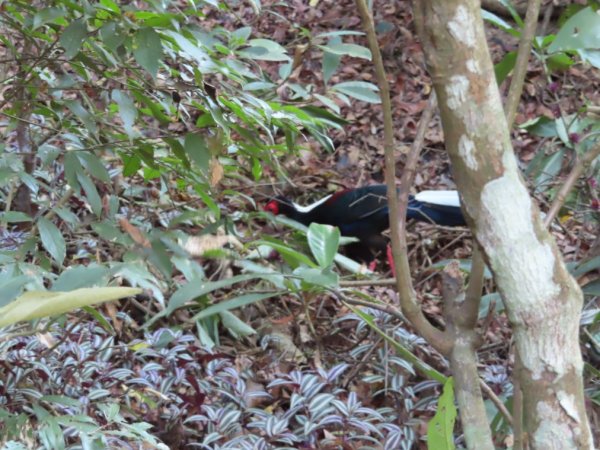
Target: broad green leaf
[
  {"x": 94, "y": 165},
  {"x": 585, "y": 267},
  {"x": 547, "y": 169},
  {"x": 505, "y": 66},
  {"x": 233, "y": 303},
  {"x": 38, "y": 304},
  {"x": 131, "y": 164},
  {"x": 197, "y": 150},
  {"x": 73, "y": 168},
  {"x": 496, "y": 20},
  {"x": 52, "y": 239},
  {"x": 292, "y": 257},
  {"x": 14, "y": 217},
  {"x": 331, "y": 60},
  {"x": 241, "y": 34},
  {"x": 339, "y": 33},
  {"x": 341, "y": 49},
  {"x": 266, "y": 50},
  {"x": 12, "y": 287},
  {"x": 81, "y": 276},
  {"x": 198, "y": 288},
  {"x": 73, "y": 37},
  {"x": 259, "y": 85},
  {"x": 127, "y": 111},
  {"x": 580, "y": 32},
  {"x": 147, "y": 50},
  {"x": 441, "y": 428},
  {"x": 360, "y": 90},
  {"x": 111, "y": 6},
  {"x": 562, "y": 61},
  {"x": 191, "y": 50},
  {"x": 91, "y": 193},
  {"x": 237, "y": 327},
  {"x": 487, "y": 301},
  {"x": 47, "y": 15},
  {"x": 323, "y": 241},
  {"x": 328, "y": 102},
  {"x": 318, "y": 277},
  {"x": 82, "y": 114},
  {"x": 112, "y": 36},
  {"x": 592, "y": 289}
]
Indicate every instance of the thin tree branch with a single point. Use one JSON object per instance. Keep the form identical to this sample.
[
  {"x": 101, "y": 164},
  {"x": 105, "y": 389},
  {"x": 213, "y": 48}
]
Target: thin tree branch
[
  {"x": 410, "y": 308},
  {"x": 581, "y": 164},
  {"x": 520, "y": 70}
]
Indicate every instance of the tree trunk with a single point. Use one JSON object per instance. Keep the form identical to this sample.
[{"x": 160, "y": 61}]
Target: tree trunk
[{"x": 543, "y": 301}]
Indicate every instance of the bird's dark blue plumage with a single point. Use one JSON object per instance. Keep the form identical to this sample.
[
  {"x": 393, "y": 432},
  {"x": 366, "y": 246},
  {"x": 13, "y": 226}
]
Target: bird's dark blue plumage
[{"x": 363, "y": 213}]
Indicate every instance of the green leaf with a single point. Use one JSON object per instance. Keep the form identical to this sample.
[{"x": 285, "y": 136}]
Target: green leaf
[
  {"x": 237, "y": 327},
  {"x": 127, "y": 111},
  {"x": 331, "y": 60},
  {"x": 323, "y": 241},
  {"x": 198, "y": 288},
  {"x": 264, "y": 49},
  {"x": 147, "y": 50},
  {"x": 38, "y": 304},
  {"x": 12, "y": 287},
  {"x": 197, "y": 150},
  {"x": 318, "y": 277},
  {"x": 14, "y": 217},
  {"x": 52, "y": 239},
  {"x": 81, "y": 276},
  {"x": 592, "y": 289},
  {"x": 191, "y": 50},
  {"x": 73, "y": 167},
  {"x": 560, "y": 61},
  {"x": 91, "y": 194},
  {"x": 73, "y": 37},
  {"x": 360, "y": 90},
  {"x": 47, "y": 15},
  {"x": 112, "y": 36},
  {"x": 341, "y": 49},
  {"x": 580, "y": 32},
  {"x": 82, "y": 114},
  {"x": 505, "y": 66},
  {"x": 94, "y": 165},
  {"x": 328, "y": 102},
  {"x": 292, "y": 257},
  {"x": 441, "y": 427},
  {"x": 233, "y": 303}
]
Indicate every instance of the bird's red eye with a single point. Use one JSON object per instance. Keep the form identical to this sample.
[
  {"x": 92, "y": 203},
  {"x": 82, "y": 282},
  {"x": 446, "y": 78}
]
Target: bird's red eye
[{"x": 272, "y": 207}]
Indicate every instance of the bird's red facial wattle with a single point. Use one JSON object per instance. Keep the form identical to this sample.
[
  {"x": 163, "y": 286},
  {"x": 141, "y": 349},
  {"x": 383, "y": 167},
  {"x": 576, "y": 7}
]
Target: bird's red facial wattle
[{"x": 272, "y": 207}]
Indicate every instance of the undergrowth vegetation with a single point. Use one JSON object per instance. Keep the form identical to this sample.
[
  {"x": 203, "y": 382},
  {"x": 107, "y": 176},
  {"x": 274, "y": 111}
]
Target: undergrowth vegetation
[{"x": 140, "y": 142}]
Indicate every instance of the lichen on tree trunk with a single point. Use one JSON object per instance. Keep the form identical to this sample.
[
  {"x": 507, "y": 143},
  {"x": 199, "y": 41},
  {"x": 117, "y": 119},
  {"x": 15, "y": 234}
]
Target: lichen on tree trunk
[{"x": 542, "y": 299}]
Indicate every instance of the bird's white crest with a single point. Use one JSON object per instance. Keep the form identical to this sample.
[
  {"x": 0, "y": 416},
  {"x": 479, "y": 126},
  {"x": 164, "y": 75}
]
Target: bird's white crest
[
  {"x": 444, "y": 198},
  {"x": 308, "y": 208}
]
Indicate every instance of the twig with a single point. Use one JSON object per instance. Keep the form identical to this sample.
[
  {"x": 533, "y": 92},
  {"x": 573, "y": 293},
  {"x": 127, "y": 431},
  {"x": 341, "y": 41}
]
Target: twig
[
  {"x": 496, "y": 401},
  {"x": 520, "y": 70},
  {"x": 581, "y": 164},
  {"x": 354, "y": 283},
  {"x": 383, "y": 307},
  {"x": 357, "y": 367},
  {"x": 397, "y": 213}
]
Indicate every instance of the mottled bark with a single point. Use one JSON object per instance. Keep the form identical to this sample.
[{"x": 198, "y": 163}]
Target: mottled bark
[{"x": 543, "y": 301}]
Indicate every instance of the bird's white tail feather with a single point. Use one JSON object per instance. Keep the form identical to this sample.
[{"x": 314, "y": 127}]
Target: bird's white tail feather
[{"x": 445, "y": 198}]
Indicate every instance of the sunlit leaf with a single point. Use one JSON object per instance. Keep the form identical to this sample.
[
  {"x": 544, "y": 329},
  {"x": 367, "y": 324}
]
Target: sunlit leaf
[
  {"x": 38, "y": 304},
  {"x": 440, "y": 430}
]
